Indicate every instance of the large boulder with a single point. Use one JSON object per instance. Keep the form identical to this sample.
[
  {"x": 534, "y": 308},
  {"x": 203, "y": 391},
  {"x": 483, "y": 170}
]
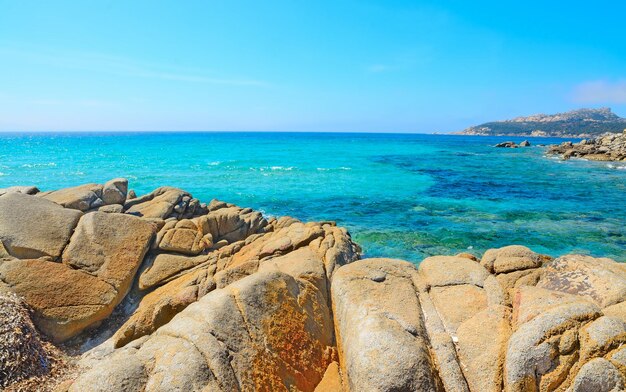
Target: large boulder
[
  {"x": 32, "y": 227},
  {"x": 163, "y": 267},
  {"x": 82, "y": 197},
  {"x": 599, "y": 375},
  {"x": 269, "y": 331},
  {"x": 383, "y": 343},
  {"x": 109, "y": 246},
  {"x": 183, "y": 279},
  {"x": 158, "y": 307},
  {"x": 29, "y": 190},
  {"x": 163, "y": 203},
  {"x": 601, "y": 280},
  {"x": 114, "y": 191},
  {"x": 510, "y": 258},
  {"x": 542, "y": 351},
  {"x": 97, "y": 269},
  {"x": 65, "y": 300},
  {"x": 452, "y": 270},
  {"x": 481, "y": 346},
  {"x": 210, "y": 231}
]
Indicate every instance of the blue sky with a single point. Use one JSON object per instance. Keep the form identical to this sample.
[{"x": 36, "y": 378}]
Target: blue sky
[{"x": 373, "y": 66}]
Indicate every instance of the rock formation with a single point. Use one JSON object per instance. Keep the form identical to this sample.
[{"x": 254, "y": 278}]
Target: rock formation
[
  {"x": 610, "y": 147},
  {"x": 164, "y": 293},
  {"x": 525, "y": 143}
]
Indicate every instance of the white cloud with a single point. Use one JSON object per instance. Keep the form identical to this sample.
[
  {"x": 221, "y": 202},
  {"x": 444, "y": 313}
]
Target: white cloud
[{"x": 601, "y": 92}]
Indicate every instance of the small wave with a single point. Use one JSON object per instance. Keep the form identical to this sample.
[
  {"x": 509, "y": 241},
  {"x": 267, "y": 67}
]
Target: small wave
[
  {"x": 215, "y": 163},
  {"x": 273, "y": 168},
  {"x": 2, "y": 174},
  {"x": 329, "y": 168},
  {"x": 616, "y": 167},
  {"x": 33, "y": 165}
]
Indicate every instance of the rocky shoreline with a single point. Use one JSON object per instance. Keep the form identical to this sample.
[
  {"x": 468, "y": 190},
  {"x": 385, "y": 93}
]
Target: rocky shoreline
[
  {"x": 105, "y": 291},
  {"x": 609, "y": 147}
]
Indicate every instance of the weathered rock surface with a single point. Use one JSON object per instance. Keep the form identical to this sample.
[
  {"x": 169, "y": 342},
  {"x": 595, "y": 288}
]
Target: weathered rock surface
[
  {"x": 269, "y": 331},
  {"x": 383, "y": 342},
  {"x": 97, "y": 269},
  {"x": 110, "y": 247},
  {"x": 601, "y": 280},
  {"x": 163, "y": 203},
  {"x": 330, "y": 244},
  {"x": 164, "y": 293},
  {"x": 65, "y": 300},
  {"x": 32, "y": 227},
  {"x": 83, "y": 197},
  {"x": 509, "y": 259},
  {"x": 28, "y": 190},
  {"x": 609, "y": 147}
]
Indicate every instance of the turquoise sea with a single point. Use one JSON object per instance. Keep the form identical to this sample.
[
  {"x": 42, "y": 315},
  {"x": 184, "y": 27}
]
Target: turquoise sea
[{"x": 404, "y": 196}]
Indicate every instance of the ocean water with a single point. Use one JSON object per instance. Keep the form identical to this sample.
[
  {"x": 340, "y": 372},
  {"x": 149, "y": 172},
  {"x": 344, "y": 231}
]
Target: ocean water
[{"x": 402, "y": 196}]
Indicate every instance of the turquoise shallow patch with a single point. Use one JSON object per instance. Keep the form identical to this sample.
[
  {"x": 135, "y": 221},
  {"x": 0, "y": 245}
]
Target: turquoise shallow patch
[{"x": 404, "y": 196}]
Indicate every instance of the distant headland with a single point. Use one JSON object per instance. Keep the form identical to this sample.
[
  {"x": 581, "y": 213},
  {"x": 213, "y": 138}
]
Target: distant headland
[{"x": 581, "y": 123}]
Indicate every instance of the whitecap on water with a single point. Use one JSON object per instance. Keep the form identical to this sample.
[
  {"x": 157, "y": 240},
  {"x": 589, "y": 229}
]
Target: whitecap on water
[
  {"x": 274, "y": 168},
  {"x": 33, "y": 165},
  {"x": 328, "y": 168}
]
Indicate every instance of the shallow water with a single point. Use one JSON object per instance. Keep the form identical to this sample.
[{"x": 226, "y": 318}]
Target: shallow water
[{"x": 404, "y": 196}]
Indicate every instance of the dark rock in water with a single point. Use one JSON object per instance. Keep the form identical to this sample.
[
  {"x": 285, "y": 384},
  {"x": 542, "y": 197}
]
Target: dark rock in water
[
  {"x": 525, "y": 143},
  {"x": 506, "y": 145}
]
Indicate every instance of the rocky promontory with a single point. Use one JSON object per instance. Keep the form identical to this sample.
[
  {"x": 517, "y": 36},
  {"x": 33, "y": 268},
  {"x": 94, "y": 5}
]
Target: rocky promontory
[
  {"x": 576, "y": 123},
  {"x": 609, "y": 147},
  {"x": 104, "y": 291}
]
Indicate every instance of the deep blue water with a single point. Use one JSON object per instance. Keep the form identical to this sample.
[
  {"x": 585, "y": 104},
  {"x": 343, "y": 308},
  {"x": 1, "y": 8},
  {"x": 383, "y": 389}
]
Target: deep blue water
[{"x": 405, "y": 196}]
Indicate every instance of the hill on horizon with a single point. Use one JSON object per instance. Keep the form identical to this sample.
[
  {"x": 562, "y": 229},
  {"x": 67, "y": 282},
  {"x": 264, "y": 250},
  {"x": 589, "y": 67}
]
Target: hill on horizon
[{"x": 576, "y": 123}]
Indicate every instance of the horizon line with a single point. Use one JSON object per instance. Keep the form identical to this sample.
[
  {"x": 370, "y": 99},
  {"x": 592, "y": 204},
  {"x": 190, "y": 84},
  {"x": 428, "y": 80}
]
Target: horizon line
[{"x": 221, "y": 131}]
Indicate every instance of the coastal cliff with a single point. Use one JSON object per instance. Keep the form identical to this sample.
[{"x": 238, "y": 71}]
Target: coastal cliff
[
  {"x": 576, "y": 123},
  {"x": 105, "y": 291}
]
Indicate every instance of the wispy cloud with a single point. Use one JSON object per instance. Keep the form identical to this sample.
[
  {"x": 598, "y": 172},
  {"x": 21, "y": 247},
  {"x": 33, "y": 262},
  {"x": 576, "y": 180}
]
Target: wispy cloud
[
  {"x": 95, "y": 103},
  {"x": 401, "y": 61},
  {"x": 126, "y": 67},
  {"x": 601, "y": 92},
  {"x": 377, "y": 68}
]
